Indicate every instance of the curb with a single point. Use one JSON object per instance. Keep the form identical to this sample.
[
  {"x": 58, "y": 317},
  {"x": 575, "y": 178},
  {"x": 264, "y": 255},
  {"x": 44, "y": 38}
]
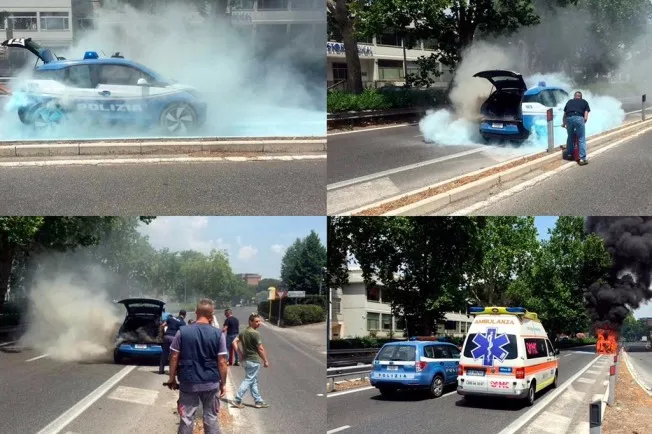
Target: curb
[
  {"x": 439, "y": 201},
  {"x": 162, "y": 146},
  {"x": 636, "y": 377}
]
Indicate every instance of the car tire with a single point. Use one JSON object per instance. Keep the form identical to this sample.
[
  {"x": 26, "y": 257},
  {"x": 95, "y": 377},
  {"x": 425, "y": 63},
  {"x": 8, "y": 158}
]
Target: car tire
[
  {"x": 178, "y": 119},
  {"x": 44, "y": 116},
  {"x": 436, "y": 387},
  {"x": 529, "y": 400},
  {"x": 554, "y": 383},
  {"x": 387, "y": 391},
  {"x": 117, "y": 358}
]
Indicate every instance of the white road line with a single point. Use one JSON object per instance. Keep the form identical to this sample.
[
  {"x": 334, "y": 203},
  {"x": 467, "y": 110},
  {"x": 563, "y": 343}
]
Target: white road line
[
  {"x": 71, "y": 414},
  {"x": 7, "y": 343},
  {"x": 566, "y": 355},
  {"x": 519, "y": 423},
  {"x": 320, "y": 394},
  {"x": 342, "y": 428},
  {"x": 345, "y": 392},
  {"x": 384, "y": 173},
  {"x": 371, "y": 129},
  {"x": 36, "y": 358}
]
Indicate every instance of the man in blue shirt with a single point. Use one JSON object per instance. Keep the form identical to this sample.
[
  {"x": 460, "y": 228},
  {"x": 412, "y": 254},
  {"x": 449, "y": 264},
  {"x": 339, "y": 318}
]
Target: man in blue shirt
[
  {"x": 198, "y": 359},
  {"x": 576, "y": 114},
  {"x": 173, "y": 324},
  {"x": 231, "y": 329}
]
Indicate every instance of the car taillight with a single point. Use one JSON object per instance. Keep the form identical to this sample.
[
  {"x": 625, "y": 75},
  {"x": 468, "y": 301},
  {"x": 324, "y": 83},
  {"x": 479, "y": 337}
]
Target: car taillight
[
  {"x": 460, "y": 370},
  {"x": 421, "y": 366},
  {"x": 520, "y": 373}
]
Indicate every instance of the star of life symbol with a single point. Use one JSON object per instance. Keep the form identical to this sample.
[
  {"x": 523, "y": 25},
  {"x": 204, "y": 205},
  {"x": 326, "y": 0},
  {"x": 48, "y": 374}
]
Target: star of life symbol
[{"x": 490, "y": 346}]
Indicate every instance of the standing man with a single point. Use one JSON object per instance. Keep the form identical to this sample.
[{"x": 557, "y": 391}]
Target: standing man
[
  {"x": 173, "y": 324},
  {"x": 232, "y": 330},
  {"x": 199, "y": 360},
  {"x": 251, "y": 351},
  {"x": 576, "y": 115}
]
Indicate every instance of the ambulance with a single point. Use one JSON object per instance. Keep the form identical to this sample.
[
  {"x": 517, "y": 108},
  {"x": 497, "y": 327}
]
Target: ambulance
[{"x": 506, "y": 354}]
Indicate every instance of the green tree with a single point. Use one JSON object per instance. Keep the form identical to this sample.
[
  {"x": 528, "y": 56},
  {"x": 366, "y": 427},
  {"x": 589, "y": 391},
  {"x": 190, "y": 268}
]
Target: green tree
[
  {"x": 633, "y": 330},
  {"x": 419, "y": 261},
  {"x": 264, "y": 284},
  {"x": 302, "y": 266}
]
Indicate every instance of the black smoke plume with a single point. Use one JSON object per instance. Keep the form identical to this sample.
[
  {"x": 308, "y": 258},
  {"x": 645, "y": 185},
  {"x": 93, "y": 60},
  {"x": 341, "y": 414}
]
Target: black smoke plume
[{"x": 629, "y": 242}]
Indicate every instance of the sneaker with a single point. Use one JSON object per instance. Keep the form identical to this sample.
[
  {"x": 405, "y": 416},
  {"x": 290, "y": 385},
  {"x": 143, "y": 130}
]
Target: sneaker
[
  {"x": 236, "y": 364},
  {"x": 262, "y": 405},
  {"x": 238, "y": 404},
  {"x": 583, "y": 162}
]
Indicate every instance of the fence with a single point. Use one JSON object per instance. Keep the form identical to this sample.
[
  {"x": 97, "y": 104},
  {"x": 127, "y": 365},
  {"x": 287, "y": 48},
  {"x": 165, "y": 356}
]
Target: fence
[{"x": 333, "y": 373}]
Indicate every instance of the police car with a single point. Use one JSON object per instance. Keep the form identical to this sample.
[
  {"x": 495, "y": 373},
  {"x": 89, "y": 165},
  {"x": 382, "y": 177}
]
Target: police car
[
  {"x": 421, "y": 363},
  {"x": 514, "y": 112},
  {"x": 109, "y": 91}
]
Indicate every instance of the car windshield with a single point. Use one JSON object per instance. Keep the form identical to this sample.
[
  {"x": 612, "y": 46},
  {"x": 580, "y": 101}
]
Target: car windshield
[
  {"x": 482, "y": 345},
  {"x": 397, "y": 353},
  {"x": 49, "y": 74}
]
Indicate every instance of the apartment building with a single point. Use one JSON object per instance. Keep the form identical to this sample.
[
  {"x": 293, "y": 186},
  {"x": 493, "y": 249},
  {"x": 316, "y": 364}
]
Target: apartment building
[
  {"x": 358, "y": 311},
  {"x": 250, "y": 278}
]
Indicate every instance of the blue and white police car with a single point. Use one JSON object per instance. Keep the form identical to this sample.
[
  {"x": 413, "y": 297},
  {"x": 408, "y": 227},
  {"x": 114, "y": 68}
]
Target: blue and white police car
[
  {"x": 514, "y": 112},
  {"x": 420, "y": 363},
  {"x": 112, "y": 91}
]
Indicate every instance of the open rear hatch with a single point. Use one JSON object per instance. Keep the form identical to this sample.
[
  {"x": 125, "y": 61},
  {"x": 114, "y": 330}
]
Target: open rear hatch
[
  {"x": 45, "y": 54},
  {"x": 141, "y": 326}
]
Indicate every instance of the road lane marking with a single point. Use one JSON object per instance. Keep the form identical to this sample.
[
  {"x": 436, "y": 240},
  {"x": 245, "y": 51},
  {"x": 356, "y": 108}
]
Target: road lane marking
[
  {"x": 519, "y": 423},
  {"x": 305, "y": 353},
  {"x": 371, "y": 177},
  {"x": 36, "y": 358},
  {"x": 342, "y": 428},
  {"x": 320, "y": 394},
  {"x": 73, "y": 412},
  {"x": 134, "y": 395},
  {"x": 8, "y": 343},
  {"x": 372, "y": 129},
  {"x": 566, "y": 355},
  {"x": 344, "y": 392}
]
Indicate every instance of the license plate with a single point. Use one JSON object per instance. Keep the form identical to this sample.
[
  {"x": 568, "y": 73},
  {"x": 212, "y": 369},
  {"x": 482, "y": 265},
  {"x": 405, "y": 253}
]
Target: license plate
[
  {"x": 475, "y": 373},
  {"x": 140, "y": 346},
  {"x": 392, "y": 368},
  {"x": 497, "y": 125}
]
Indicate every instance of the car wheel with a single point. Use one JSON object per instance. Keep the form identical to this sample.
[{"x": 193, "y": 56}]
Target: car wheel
[
  {"x": 437, "y": 386},
  {"x": 178, "y": 119},
  {"x": 386, "y": 391},
  {"x": 46, "y": 117},
  {"x": 554, "y": 384},
  {"x": 117, "y": 358},
  {"x": 530, "y": 394}
]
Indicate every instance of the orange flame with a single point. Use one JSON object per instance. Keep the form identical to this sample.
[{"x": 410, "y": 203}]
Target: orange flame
[{"x": 607, "y": 341}]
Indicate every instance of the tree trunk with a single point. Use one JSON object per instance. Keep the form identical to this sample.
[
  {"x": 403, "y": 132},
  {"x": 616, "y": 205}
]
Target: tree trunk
[
  {"x": 354, "y": 70},
  {"x": 6, "y": 260}
]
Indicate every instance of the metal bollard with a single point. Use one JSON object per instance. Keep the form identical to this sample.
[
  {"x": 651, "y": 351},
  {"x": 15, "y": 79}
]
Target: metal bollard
[
  {"x": 643, "y": 98},
  {"x": 612, "y": 385},
  {"x": 595, "y": 417},
  {"x": 551, "y": 131}
]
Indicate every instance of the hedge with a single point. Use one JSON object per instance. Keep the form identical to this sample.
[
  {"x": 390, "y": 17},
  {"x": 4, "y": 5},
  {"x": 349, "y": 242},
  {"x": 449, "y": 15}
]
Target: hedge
[
  {"x": 384, "y": 98},
  {"x": 292, "y": 314},
  {"x": 568, "y": 343}
]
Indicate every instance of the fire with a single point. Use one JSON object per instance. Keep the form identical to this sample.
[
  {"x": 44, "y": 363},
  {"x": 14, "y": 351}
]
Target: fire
[{"x": 607, "y": 341}]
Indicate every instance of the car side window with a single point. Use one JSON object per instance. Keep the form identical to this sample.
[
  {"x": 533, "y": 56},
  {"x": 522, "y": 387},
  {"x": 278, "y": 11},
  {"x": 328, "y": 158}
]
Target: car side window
[
  {"x": 535, "y": 348},
  {"x": 446, "y": 352},
  {"x": 560, "y": 96},
  {"x": 547, "y": 98},
  {"x": 79, "y": 76},
  {"x": 551, "y": 350},
  {"x": 455, "y": 353},
  {"x": 428, "y": 351},
  {"x": 121, "y": 75}
]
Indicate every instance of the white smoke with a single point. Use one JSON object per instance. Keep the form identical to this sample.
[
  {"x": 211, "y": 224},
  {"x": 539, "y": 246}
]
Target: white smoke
[
  {"x": 71, "y": 317},
  {"x": 459, "y": 126},
  {"x": 246, "y": 94}
]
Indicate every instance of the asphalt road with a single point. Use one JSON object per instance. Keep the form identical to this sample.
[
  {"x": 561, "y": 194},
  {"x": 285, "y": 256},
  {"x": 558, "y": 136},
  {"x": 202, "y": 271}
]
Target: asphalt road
[
  {"x": 615, "y": 182},
  {"x": 366, "y": 411},
  {"x": 293, "y": 383},
  {"x": 220, "y": 188},
  {"x": 642, "y": 363}
]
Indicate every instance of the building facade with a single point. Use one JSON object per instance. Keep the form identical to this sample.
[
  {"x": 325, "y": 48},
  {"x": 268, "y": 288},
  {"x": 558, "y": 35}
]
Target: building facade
[
  {"x": 250, "y": 278},
  {"x": 358, "y": 311}
]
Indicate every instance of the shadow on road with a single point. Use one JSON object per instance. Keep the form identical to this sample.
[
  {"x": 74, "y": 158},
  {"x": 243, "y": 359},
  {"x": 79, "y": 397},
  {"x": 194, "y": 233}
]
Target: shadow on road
[
  {"x": 410, "y": 395},
  {"x": 497, "y": 403}
]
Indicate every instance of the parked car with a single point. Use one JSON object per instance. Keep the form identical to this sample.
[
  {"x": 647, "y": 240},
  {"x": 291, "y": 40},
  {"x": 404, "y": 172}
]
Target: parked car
[
  {"x": 416, "y": 365},
  {"x": 139, "y": 335},
  {"x": 514, "y": 112}
]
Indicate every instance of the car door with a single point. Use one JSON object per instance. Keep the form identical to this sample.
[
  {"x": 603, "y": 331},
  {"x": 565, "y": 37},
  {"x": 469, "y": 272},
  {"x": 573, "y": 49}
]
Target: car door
[
  {"x": 80, "y": 91},
  {"x": 118, "y": 92},
  {"x": 454, "y": 363},
  {"x": 553, "y": 358},
  {"x": 450, "y": 365}
]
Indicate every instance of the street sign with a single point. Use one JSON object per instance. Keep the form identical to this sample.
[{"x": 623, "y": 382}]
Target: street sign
[
  {"x": 297, "y": 294},
  {"x": 272, "y": 293},
  {"x": 282, "y": 294}
]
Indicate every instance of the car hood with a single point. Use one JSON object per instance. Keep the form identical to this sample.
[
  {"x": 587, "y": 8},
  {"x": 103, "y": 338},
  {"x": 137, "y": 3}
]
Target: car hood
[
  {"x": 45, "y": 54},
  {"x": 143, "y": 306},
  {"x": 502, "y": 79}
]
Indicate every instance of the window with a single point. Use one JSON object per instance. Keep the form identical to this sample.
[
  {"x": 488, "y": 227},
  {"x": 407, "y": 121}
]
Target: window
[
  {"x": 373, "y": 321},
  {"x": 85, "y": 23},
  {"x": 400, "y": 323},
  {"x": 272, "y": 4},
  {"x": 122, "y": 75},
  {"x": 387, "y": 322},
  {"x": 243, "y": 5},
  {"x": 551, "y": 350},
  {"x": 336, "y": 306},
  {"x": 397, "y": 353},
  {"x": 25, "y": 21},
  {"x": 55, "y": 21},
  {"x": 560, "y": 96},
  {"x": 389, "y": 39},
  {"x": 80, "y": 76},
  {"x": 455, "y": 353},
  {"x": 434, "y": 352},
  {"x": 450, "y": 325},
  {"x": 373, "y": 294},
  {"x": 304, "y": 4},
  {"x": 472, "y": 343},
  {"x": 340, "y": 71},
  {"x": 49, "y": 74},
  {"x": 535, "y": 348},
  {"x": 547, "y": 98}
]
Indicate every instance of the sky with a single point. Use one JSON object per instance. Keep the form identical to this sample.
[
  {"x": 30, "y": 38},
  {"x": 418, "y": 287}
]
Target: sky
[{"x": 254, "y": 244}]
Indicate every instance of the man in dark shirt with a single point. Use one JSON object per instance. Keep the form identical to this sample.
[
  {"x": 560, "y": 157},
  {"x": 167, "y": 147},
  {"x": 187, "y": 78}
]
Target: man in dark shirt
[
  {"x": 576, "y": 114},
  {"x": 199, "y": 361},
  {"x": 231, "y": 329},
  {"x": 173, "y": 324}
]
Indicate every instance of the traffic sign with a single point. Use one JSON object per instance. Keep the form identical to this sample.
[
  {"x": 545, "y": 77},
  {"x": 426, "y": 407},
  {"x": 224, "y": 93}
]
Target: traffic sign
[
  {"x": 297, "y": 294},
  {"x": 282, "y": 294},
  {"x": 272, "y": 293}
]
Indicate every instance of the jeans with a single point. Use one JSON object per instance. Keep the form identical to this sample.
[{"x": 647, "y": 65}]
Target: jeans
[
  {"x": 229, "y": 347},
  {"x": 165, "y": 355},
  {"x": 575, "y": 125},
  {"x": 250, "y": 382},
  {"x": 189, "y": 403}
]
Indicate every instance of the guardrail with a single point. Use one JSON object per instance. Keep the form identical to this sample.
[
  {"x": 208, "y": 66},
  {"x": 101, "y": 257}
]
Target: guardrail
[
  {"x": 366, "y": 114},
  {"x": 333, "y": 373},
  {"x": 339, "y": 358}
]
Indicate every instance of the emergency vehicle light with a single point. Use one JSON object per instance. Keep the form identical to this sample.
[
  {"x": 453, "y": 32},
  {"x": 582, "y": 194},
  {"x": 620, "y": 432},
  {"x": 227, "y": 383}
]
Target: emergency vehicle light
[
  {"x": 497, "y": 310},
  {"x": 542, "y": 84},
  {"x": 91, "y": 55}
]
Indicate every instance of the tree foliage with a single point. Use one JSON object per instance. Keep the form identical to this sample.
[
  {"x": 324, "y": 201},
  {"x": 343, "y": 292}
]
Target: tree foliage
[{"x": 302, "y": 267}]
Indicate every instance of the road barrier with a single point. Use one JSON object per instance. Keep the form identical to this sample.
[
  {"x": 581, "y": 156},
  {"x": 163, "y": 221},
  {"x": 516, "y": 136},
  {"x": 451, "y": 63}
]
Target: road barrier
[
  {"x": 338, "y": 358},
  {"x": 333, "y": 373},
  {"x": 595, "y": 417}
]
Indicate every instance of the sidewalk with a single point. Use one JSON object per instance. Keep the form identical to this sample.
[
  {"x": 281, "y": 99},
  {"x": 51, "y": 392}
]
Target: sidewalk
[{"x": 569, "y": 413}]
